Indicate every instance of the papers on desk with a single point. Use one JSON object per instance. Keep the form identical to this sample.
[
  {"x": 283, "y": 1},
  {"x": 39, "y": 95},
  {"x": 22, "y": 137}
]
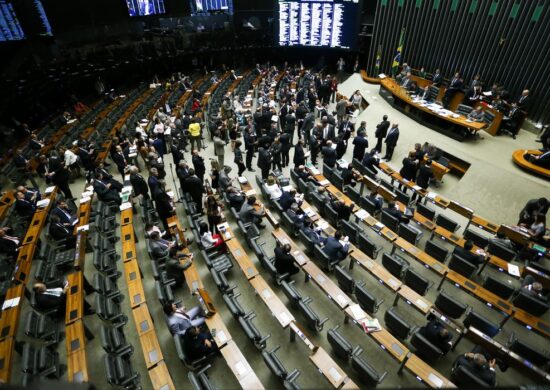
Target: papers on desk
[
  {"x": 323, "y": 224},
  {"x": 71, "y": 121},
  {"x": 382, "y": 76},
  {"x": 513, "y": 270},
  {"x": 49, "y": 190},
  {"x": 324, "y": 182},
  {"x": 431, "y": 195},
  {"x": 437, "y": 381},
  {"x": 89, "y": 188},
  {"x": 307, "y": 154},
  {"x": 86, "y": 194},
  {"x": 85, "y": 199},
  {"x": 221, "y": 336},
  {"x": 43, "y": 203},
  {"x": 125, "y": 206},
  {"x": 242, "y": 179},
  {"x": 83, "y": 228},
  {"x": 417, "y": 188},
  {"x": 132, "y": 155},
  {"x": 250, "y": 192},
  {"x": 287, "y": 188},
  {"x": 170, "y": 194},
  {"x": 8, "y": 303},
  {"x": 342, "y": 163},
  {"x": 240, "y": 368},
  {"x": 488, "y": 93},
  {"x": 378, "y": 226},
  {"x": 356, "y": 311},
  {"x": 361, "y": 214},
  {"x": 370, "y": 326},
  {"x": 333, "y": 146},
  {"x": 335, "y": 375},
  {"x": 309, "y": 212},
  {"x": 455, "y": 116}
]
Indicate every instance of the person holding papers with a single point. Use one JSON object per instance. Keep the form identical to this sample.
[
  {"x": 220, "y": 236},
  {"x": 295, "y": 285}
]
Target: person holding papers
[
  {"x": 336, "y": 247},
  {"x": 9, "y": 243},
  {"x": 104, "y": 191},
  {"x": 24, "y": 207},
  {"x": 31, "y": 194},
  {"x": 63, "y": 212}
]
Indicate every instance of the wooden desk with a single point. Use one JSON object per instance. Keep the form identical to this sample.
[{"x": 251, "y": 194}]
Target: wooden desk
[
  {"x": 426, "y": 373},
  {"x": 126, "y": 217},
  {"x": 160, "y": 377},
  {"x": 239, "y": 366},
  {"x": 375, "y": 269},
  {"x": 192, "y": 278},
  {"x": 7, "y": 200},
  {"x": 414, "y": 299},
  {"x": 518, "y": 156},
  {"x": 7, "y": 347},
  {"x": 77, "y": 367},
  {"x": 274, "y": 304},
  {"x": 75, "y": 298},
  {"x": 331, "y": 371},
  {"x": 150, "y": 348},
  {"x": 327, "y": 285},
  {"x": 484, "y": 224},
  {"x": 239, "y": 254},
  {"x": 142, "y": 318},
  {"x": 532, "y": 322},
  {"x": 9, "y": 317},
  {"x": 132, "y": 271},
  {"x": 75, "y": 339},
  {"x": 128, "y": 242},
  {"x": 136, "y": 293},
  {"x": 421, "y": 256},
  {"x": 514, "y": 234},
  {"x": 216, "y": 323}
]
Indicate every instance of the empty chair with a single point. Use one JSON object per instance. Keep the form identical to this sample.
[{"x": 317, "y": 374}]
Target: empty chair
[
  {"x": 43, "y": 327},
  {"x": 40, "y": 362},
  {"x": 105, "y": 263},
  {"x": 481, "y": 323},
  {"x": 402, "y": 197},
  {"x": 409, "y": 233},
  {"x": 530, "y": 304},
  {"x": 268, "y": 262},
  {"x": 369, "y": 206},
  {"x": 463, "y": 377},
  {"x": 424, "y": 348},
  {"x": 218, "y": 262},
  {"x": 463, "y": 267},
  {"x": 318, "y": 202},
  {"x": 313, "y": 321},
  {"x": 113, "y": 340},
  {"x": 366, "y": 245},
  {"x": 501, "y": 251},
  {"x": 331, "y": 216},
  {"x": 232, "y": 303},
  {"x": 476, "y": 238},
  {"x": 425, "y": 211},
  {"x": 390, "y": 221},
  {"x": 324, "y": 260},
  {"x": 308, "y": 243},
  {"x": 345, "y": 280},
  {"x": 395, "y": 264},
  {"x": 337, "y": 180},
  {"x": 463, "y": 109},
  {"x": 252, "y": 331},
  {"x": 367, "y": 374},
  {"x": 416, "y": 281},
  {"x": 366, "y": 300},
  {"x": 288, "y": 224},
  {"x": 47, "y": 273},
  {"x": 291, "y": 293},
  {"x": 108, "y": 309},
  {"x": 341, "y": 347},
  {"x": 350, "y": 229},
  {"x": 526, "y": 351},
  {"x": 450, "y": 306},
  {"x": 436, "y": 251},
  {"x": 353, "y": 194},
  {"x": 119, "y": 371},
  {"x": 396, "y": 325},
  {"x": 220, "y": 279},
  {"x": 276, "y": 367},
  {"x": 446, "y": 223},
  {"x": 200, "y": 380},
  {"x": 502, "y": 289},
  {"x": 106, "y": 285}
]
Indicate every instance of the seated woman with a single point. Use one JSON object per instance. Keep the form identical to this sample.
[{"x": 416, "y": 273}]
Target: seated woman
[
  {"x": 209, "y": 240},
  {"x": 273, "y": 188}
]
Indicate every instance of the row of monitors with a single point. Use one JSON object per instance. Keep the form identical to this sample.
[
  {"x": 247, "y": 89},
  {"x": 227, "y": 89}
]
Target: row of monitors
[{"x": 198, "y": 7}]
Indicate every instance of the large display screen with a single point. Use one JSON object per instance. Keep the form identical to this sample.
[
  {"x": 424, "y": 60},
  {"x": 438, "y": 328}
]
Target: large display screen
[
  {"x": 10, "y": 28},
  {"x": 201, "y": 7},
  {"x": 318, "y": 23},
  {"x": 145, "y": 7}
]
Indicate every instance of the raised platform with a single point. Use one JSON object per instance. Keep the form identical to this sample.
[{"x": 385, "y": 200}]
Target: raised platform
[{"x": 519, "y": 159}]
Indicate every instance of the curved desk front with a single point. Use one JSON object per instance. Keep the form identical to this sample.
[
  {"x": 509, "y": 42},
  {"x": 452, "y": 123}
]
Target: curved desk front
[{"x": 519, "y": 158}]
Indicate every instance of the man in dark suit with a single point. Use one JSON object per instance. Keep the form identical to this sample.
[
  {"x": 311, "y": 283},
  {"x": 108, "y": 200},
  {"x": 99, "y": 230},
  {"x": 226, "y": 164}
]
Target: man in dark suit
[
  {"x": 437, "y": 334},
  {"x": 104, "y": 191},
  {"x": 299, "y": 154},
  {"x": 467, "y": 255},
  {"x": 425, "y": 174},
  {"x": 395, "y": 212},
  {"x": 198, "y": 165},
  {"x": 344, "y": 212},
  {"x": 159, "y": 247},
  {"x": 308, "y": 125},
  {"x": 250, "y": 141},
  {"x": 524, "y": 100},
  {"x": 380, "y": 133},
  {"x": 334, "y": 249},
  {"x": 329, "y": 155},
  {"x": 264, "y": 161},
  {"x": 284, "y": 262},
  {"x": 437, "y": 78},
  {"x": 326, "y": 131},
  {"x": 120, "y": 161},
  {"x": 512, "y": 121},
  {"x": 371, "y": 162},
  {"x": 19, "y": 159},
  {"x": 60, "y": 231},
  {"x": 542, "y": 160},
  {"x": 108, "y": 178},
  {"x": 391, "y": 141},
  {"x": 9, "y": 244},
  {"x": 153, "y": 180},
  {"x": 361, "y": 144},
  {"x": 408, "y": 171},
  {"x": 478, "y": 365},
  {"x": 195, "y": 188},
  {"x": 53, "y": 296},
  {"x": 63, "y": 212},
  {"x": 454, "y": 86},
  {"x": 163, "y": 204},
  {"x": 287, "y": 199},
  {"x": 139, "y": 185},
  {"x": 198, "y": 343},
  {"x": 235, "y": 197},
  {"x": 24, "y": 207},
  {"x": 249, "y": 214},
  {"x": 177, "y": 153},
  {"x": 60, "y": 176},
  {"x": 312, "y": 233}
]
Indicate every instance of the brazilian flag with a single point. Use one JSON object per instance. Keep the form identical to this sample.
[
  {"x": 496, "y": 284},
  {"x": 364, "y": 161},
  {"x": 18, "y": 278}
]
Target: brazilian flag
[
  {"x": 378, "y": 59},
  {"x": 397, "y": 58}
]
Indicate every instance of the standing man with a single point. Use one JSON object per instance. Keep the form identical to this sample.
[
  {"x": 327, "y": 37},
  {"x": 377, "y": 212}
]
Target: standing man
[
  {"x": 381, "y": 131},
  {"x": 454, "y": 86},
  {"x": 249, "y": 144},
  {"x": 340, "y": 66},
  {"x": 341, "y": 108},
  {"x": 361, "y": 144},
  {"x": 264, "y": 161},
  {"x": 219, "y": 148},
  {"x": 391, "y": 141}
]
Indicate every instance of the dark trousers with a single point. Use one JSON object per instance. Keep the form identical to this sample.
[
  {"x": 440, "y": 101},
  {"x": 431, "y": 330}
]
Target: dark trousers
[
  {"x": 285, "y": 157},
  {"x": 64, "y": 187},
  {"x": 389, "y": 152},
  {"x": 241, "y": 167},
  {"x": 314, "y": 157},
  {"x": 379, "y": 144},
  {"x": 249, "y": 155},
  {"x": 265, "y": 173},
  {"x": 277, "y": 165}
]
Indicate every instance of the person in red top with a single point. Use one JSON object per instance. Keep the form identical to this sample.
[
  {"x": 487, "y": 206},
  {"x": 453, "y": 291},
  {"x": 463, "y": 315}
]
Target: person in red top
[
  {"x": 333, "y": 89},
  {"x": 196, "y": 107}
]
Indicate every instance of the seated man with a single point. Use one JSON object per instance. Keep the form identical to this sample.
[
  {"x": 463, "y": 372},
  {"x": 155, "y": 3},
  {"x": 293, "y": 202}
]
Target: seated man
[
  {"x": 394, "y": 211},
  {"x": 542, "y": 160},
  {"x": 437, "y": 334},
  {"x": 31, "y": 194},
  {"x": 287, "y": 199},
  {"x": 296, "y": 215},
  {"x": 63, "y": 212},
  {"x": 174, "y": 269},
  {"x": 24, "y": 207},
  {"x": 9, "y": 244},
  {"x": 161, "y": 248},
  {"x": 467, "y": 255},
  {"x": 284, "y": 262},
  {"x": 371, "y": 162},
  {"x": 376, "y": 199},
  {"x": 224, "y": 179},
  {"x": 350, "y": 176},
  {"x": 477, "y": 115},
  {"x": 198, "y": 343},
  {"x": 60, "y": 231},
  {"x": 108, "y": 178},
  {"x": 503, "y": 241},
  {"x": 249, "y": 214},
  {"x": 236, "y": 198},
  {"x": 334, "y": 248},
  {"x": 54, "y": 296},
  {"x": 324, "y": 195},
  {"x": 344, "y": 212},
  {"x": 478, "y": 365},
  {"x": 302, "y": 173},
  {"x": 313, "y": 233},
  {"x": 179, "y": 320},
  {"x": 104, "y": 190},
  {"x": 533, "y": 288}
]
